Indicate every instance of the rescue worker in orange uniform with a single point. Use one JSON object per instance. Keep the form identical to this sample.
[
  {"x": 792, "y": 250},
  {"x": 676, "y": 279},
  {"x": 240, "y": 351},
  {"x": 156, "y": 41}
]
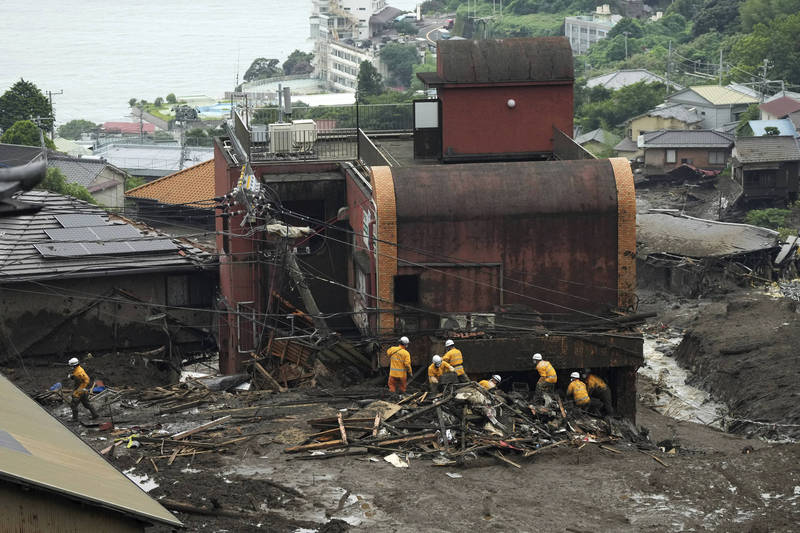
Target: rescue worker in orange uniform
[
  {"x": 437, "y": 368},
  {"x": 454, "y": 358},
  {"x": 399, "y": 366},
  {"x": 81, "y": 393},
  {"x": 547, "y": 378},
  {"x": 577, "y": 389},
  {"x": 491, "y": 383},
  {"x": 599, "y": 389}
]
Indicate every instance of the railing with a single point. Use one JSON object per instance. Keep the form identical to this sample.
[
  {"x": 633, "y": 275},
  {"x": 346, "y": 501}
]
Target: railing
[{"x": 367, "y": 117}]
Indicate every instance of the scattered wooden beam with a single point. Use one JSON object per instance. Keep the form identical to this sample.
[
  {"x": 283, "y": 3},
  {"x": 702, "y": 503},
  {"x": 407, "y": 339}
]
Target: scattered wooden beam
[
  {"x": 341, "y": 429},
  {"x": 313, "y": 446},
  {"x": 610, "y": 449},
  {"x": 198, "y": 429},
  {"x": 266, "y": 375},
  {"x": 500, "y": 456},
  {"x": 376, "y": 425},
  {"x": 662, "y": 463}
]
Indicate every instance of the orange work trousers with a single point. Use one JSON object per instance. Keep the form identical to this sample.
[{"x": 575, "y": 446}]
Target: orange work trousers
[{"x": 398, "y": 384}]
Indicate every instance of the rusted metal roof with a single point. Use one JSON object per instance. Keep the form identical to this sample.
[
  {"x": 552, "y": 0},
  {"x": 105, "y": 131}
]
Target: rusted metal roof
[
  {"x": 536, "y": 59},
  {"x": 38, "y": 451},
  {"x": 781, "y": 107}
]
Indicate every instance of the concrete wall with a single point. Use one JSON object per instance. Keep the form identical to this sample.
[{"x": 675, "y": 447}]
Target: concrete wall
[
  {"x": 102, "y": 314},
  {"x": 111, "y": 196},
  {"x": 644, "y": 124},
  {"x": 34, "y": 511}
]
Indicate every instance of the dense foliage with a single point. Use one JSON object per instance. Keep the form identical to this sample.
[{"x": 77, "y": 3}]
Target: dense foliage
[
  {"x": 56, "y": 182},
  {"x": 24, "y": 101},
  {"x": 26, "y": 133},
  {"x": 75, "y": 128},
  {"x": 370, "y": 82},
  {"x": 399, "y": 60}
]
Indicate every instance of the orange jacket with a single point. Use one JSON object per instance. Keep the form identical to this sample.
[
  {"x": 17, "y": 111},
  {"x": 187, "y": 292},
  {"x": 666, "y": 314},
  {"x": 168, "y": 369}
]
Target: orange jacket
[
  {"x": 594, "y": 383},
  {"x": 81, "y": 379},
  {"x": 455, "y": 359},
  {"x": 578, "y": 391},
  {"x": 399, "y": 361},
  {"x": 435, "y": 373},
  {"x": 547, "y": 371}
]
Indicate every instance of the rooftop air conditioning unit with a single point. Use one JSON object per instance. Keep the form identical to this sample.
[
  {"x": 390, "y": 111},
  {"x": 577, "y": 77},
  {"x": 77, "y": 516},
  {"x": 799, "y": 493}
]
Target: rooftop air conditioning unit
[
  {"x": 305, "y": 134},
  {"x": 280, "y": 137},
  {"x": 259, "y": 133}
]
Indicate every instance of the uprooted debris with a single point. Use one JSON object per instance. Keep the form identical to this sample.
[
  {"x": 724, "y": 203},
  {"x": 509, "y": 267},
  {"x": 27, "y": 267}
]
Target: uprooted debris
[{"x": 454, "y": 427}]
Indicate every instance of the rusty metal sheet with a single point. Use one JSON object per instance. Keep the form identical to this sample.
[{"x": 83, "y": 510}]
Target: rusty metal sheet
[{"x": 536, "y": 59}]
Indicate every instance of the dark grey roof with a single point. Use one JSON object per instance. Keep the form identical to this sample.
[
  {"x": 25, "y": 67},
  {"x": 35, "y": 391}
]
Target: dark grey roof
[
  {"x": 687, "y": 236},
  {"x": 535, "y": 59},
  {"x": 12, "y": 155},
  {"x": 20, "y": 260},
  {"x": 767, "y": 149},
  {"x": 626, "y": 145},
  {"x": 687, "y": 139},
  {"x": 78, "y": 170},
  {"x": 599, "y": 136},
  {"x": 384, "y": 15}
]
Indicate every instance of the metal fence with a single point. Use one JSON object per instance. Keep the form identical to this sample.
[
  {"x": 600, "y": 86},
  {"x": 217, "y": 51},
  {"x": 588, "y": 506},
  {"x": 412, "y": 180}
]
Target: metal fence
[
  {"x": 337, "y": 144},
  {"x": 368, "y": 117}
]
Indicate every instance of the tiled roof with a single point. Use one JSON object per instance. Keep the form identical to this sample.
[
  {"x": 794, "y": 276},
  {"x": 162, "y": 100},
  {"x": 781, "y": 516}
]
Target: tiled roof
[
  {"x": 190, "y": 187},
  {"x": 784, "y": 126},
  {"x": 767, "y": 149},
  {"x": 623, "y": 78},
  {"x": 687, "y": 139},
  {"x": 78, "y": 170},
  {"x": 781, "y": 107},
  {"x": 681, "y": 112},
  {"x": 719, "y": 95},
  {"x": 20, "y": 260},
  {"x": 626, "y": 145},
  {"x": 12, "y": 155},
  {"x": 599, "y": 136},
  {"x": 128, "y": 127}
]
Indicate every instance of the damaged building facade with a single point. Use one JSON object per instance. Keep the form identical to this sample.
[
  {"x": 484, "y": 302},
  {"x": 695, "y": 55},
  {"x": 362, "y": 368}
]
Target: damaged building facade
[{"x": 524, "y": 242}]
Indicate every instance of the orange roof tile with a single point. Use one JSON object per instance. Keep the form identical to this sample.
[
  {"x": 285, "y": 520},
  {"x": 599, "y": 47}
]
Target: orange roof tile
[{"x": 189, "y": 186}]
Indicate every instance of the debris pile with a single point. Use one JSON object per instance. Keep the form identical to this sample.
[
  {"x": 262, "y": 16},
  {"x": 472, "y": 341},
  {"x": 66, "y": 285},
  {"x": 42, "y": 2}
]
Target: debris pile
[{"x": 456, "y": 426}]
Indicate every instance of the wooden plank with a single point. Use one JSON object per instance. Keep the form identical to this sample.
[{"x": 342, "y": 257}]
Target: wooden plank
[
  {"x": 500, "y": 456},
  {"x": 341, "y": 429},
  {"x": 416, "y": 438},
  {"x": 376, "y": 425},
  {"x": 561, "y": 408},
  {"x": 662, "y": 463},
  {"x": 314, "y": 446},
  {"x": 272, "y": 381},
  {"x": 174, "y": 455},
  {"x": 198, "y": 429}
]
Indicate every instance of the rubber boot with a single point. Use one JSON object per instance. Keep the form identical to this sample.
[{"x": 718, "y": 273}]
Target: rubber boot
[
  {"x": 94, "y": 413},
  {"x": 74, "y": 415}
]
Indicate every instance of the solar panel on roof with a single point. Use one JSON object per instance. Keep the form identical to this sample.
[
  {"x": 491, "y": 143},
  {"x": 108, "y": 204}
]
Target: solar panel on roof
[
  {"x": 155, "y": 245},
  {"x": 108, "y": 248},
  {"x": 80, "y": 221},
  {"x": 94, "y": 233},
  {"x": 61, "y": 249},
  {"x": 117, "y": 231}
]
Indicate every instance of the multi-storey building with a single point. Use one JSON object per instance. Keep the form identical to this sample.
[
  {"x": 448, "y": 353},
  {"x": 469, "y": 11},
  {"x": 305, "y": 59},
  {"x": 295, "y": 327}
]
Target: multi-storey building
[{"x": 584, "y": 30}]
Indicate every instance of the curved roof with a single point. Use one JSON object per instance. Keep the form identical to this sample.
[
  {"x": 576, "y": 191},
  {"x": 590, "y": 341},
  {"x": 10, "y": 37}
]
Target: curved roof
[{"x": 535, "y": 59}]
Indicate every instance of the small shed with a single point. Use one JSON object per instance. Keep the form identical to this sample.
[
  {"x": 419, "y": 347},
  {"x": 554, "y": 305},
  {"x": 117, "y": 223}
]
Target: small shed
[
  {"x": 50, "y": 480},
  {"x": 767, "y": 167}
]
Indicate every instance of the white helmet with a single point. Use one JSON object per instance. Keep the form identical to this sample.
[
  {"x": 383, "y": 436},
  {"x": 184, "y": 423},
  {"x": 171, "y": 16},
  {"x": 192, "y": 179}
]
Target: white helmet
[
  {"x": 497, "y": 379},
  {"x": 448, "y": 342},
  {"x": 74, "y": 361},
  {"x": 537, "y": 357},
  {"x": 404, "y": 340},
  {"x": 575, "y": 375},
  {"x": 437, "y": 360}
]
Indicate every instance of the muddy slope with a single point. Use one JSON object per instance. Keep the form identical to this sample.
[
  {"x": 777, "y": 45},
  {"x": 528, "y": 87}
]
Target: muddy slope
[{"x": 745, "y": 352}]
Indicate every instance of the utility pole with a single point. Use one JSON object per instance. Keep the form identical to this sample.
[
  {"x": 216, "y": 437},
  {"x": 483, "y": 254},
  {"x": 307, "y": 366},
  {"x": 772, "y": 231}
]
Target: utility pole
[
  {"x": 669, "y": 66},
  {"x": 50, "y": 99},
  {"x": 626, "y": 33},
  {"x": 720, "y": 66}
]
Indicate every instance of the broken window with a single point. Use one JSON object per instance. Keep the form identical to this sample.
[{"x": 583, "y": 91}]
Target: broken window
[
  {"x": 672, "y": 156},
  {"x": 406, "y": 288}
]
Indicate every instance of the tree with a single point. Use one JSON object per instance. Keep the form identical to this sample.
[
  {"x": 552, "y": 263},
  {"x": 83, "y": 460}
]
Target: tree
[
  {"x": 405, "y": 27},
  {"x": 753, "y": 12},
  {"x": 26, "y": 133},
  {"x": 132, "y": 102},
  {"x": 686, "y": 8},
  {"x": 622, "y": 104},
  {"x": 370, "y": 82},
  {"x": 634, "y": 28},
  {"x": 717, "y": 15},
  {"x": 298, "y": 63},
  {"x": 171, "y": 98},
  {"x": 743, "y": 127},
  {"x": 776, "y": 42},
  {"x": 23, "y": 101},
  {"x": 261, "y": 68},
  {"x": 400, "y": 60},
  {"x": 55, "y": 181},
  {"x": 158, "y": 102},
  {"x": 75, "y": 128}
]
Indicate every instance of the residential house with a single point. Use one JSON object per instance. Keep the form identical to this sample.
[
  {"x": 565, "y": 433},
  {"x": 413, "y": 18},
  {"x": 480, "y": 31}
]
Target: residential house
[
  {"x": 767, "y": 167},
  {"x": 585, "y": 30},
  {"x": 128, "y": 128},
  {"x": 782, "y": 126},
  {"x": 665, "y": 117},
  {"x": 104, "y": 181},
  {"x": 717, "y": 105},
  {"x": 153, "y": 161},
  {"x": 50, "y": 480},
  {"x": 71, "y": 148},
  {"x": 667, "y": 149},
  {"x": 622, "y": 78},
  {"x": 182, "y": 198},
  {"x": 598, "y": 141},
  {"x": 628, "y": 149},
  {"x": 782, "y": 107},
  {"x": 74, "y": 278}
]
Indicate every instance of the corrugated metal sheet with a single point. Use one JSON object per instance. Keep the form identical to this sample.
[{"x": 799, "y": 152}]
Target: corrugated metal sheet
[
  {"x": 542, "y": 59},
  {"x": 767, "y": 149},
  {"x": 20, "y": 261},
  {"x": 687, "y": 139},
  {"x": 718, "y": 95},
  {"x": 60, "y": 462}
]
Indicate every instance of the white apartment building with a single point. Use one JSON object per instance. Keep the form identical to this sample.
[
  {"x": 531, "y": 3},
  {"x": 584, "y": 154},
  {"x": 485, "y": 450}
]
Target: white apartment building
[{"x": 584, "y": 30}]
